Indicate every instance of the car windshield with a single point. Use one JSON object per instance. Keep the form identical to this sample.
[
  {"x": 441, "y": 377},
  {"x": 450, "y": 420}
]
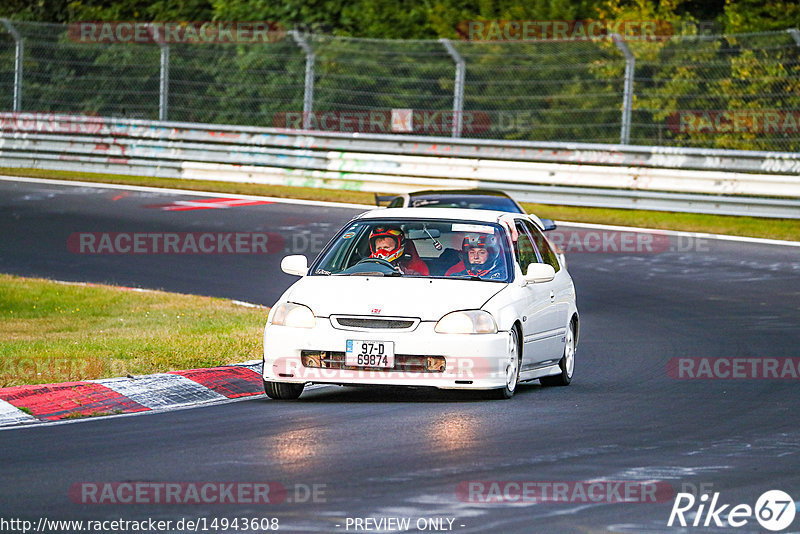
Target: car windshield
[
  {"x": 430, "y": 248},
  {"x": 480, "y": 202}
]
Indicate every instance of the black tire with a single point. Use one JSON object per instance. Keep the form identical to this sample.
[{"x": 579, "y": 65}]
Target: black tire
[
  {"x": 567, "y": 363},
  {"x": 283, "y": 390},
  {"x": 512, "y": 375}
]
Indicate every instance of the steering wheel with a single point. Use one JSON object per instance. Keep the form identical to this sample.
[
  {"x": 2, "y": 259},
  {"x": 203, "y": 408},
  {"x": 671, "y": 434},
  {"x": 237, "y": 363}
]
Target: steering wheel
[{"x": 379, "y": 261}]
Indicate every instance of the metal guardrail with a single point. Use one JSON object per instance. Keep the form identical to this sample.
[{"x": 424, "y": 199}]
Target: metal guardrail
[
  {"x": 595, "y": 87},
  {"x": 765, "y": 184}
]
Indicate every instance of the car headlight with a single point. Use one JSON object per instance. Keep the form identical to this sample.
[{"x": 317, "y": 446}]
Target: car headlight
[
  {"x": 467, "y": 322},
  {"x": 294, "y": 315}
]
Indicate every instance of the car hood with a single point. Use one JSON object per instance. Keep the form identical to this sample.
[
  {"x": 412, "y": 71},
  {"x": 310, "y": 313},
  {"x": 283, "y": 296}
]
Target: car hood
[{"x": 426, "y": 298}]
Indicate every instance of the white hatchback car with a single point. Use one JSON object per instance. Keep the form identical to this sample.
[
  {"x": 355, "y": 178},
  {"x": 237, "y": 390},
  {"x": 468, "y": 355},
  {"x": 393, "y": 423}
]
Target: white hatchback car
[{"x": 441, "y": 297}]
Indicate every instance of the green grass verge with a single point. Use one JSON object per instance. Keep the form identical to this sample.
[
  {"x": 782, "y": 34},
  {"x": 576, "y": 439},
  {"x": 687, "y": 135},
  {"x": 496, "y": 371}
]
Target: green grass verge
[
  {"x": 53, "y": 332},
  {"x": 788, "y": 229}
]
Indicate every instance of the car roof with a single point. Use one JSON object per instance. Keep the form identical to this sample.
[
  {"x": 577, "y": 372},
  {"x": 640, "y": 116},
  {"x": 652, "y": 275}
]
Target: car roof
[
  {"x": 467, "y": 192},
  {"x": 438, "y": 213},
  {"x": 476, "y": 194},
  {"x": 448, "y": 214}
]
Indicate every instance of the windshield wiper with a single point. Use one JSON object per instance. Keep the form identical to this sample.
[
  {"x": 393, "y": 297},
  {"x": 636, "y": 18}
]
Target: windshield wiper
[{"x": 370, "y": 273}]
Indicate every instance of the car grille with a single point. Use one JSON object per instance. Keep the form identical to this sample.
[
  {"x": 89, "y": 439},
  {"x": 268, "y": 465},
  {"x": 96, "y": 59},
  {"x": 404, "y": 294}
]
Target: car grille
[
  {"x": 359, "y": 323},
  {"x": 402, "y": 362}
]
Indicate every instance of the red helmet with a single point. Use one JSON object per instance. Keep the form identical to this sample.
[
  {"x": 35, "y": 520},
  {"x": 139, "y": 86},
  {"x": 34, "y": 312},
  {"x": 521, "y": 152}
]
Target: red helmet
[{"x": 393, "y": 233}]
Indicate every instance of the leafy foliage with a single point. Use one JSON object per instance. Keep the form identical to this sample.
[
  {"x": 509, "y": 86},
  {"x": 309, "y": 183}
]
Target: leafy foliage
[{"x": 560, "y": 91}]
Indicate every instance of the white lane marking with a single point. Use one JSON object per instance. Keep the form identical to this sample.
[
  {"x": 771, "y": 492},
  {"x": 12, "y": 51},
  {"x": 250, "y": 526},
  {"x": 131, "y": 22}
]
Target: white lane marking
[
  {"x": 144, "y": 290},
  {"x": 11, "y": 415},
  {"x": 90, "y": 420},
  {"x": 248, "y": 304},
  {"x": 721, "y": 237},
  {"x": 99, "y": 185}
]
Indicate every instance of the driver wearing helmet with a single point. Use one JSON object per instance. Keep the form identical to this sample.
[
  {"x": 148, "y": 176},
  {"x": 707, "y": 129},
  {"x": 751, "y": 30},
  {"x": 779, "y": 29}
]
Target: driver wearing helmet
[
  {"x": 388, "y": 243},
  {"x": 481, "y": 257}
]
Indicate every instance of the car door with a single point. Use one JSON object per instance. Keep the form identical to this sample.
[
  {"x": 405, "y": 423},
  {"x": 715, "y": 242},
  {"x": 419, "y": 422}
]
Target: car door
[
  {"x": 540, "y": 327},
  {"x": 559, "y": 292}
]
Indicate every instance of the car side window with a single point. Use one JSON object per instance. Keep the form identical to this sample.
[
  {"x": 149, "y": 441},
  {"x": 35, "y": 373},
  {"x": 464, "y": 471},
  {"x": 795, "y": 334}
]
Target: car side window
[
  {"x": 396, "y": 202},
  {"x": 543, "y": 246},
  {"x": 524, "y": 249}
]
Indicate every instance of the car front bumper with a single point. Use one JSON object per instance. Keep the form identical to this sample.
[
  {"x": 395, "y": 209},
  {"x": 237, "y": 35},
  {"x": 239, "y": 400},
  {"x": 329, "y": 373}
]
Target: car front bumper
[{"x": 472, "y": 361}]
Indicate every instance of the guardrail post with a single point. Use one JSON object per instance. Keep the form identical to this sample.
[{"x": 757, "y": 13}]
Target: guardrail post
[
  {"x": 308, "y": 92},
  {"x": 795, "y": 33},
  {"x": 163, "y": 84},
  {"x": 19, "y": 52},
  {"x": 163, "y": 87},
  {"x": 458, "y": 90},
  {"x": 627, "y": 96}
]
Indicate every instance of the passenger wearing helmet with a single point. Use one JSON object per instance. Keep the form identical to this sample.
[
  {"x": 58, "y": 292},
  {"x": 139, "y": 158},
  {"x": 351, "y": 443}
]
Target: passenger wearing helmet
[
  {"x": 388, "y": 243},
  {"x": 481, "y": 257}
]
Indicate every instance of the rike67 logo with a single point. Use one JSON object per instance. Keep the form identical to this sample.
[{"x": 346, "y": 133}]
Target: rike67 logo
[{"x": 774, "y": 510}]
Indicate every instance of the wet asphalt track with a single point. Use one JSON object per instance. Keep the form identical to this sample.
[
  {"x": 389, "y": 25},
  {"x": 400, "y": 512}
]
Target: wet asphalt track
[{"x": 385, "y": 453}]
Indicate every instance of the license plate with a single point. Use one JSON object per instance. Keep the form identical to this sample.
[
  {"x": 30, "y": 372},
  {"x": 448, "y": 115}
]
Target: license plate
[{"x": 365, "y": 353}]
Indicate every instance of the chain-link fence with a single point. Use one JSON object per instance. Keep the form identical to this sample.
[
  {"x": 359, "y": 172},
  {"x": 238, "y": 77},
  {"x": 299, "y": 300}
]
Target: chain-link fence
[{"x": 734, "y": 91}]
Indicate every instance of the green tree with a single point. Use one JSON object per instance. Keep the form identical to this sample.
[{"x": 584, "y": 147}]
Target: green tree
[
  {"x": 745, "y": 16},
  {"x": 142, "y": 10}
]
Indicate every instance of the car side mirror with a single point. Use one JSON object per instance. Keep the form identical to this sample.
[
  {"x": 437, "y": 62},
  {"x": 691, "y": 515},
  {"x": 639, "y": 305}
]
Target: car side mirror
[
  {"x": 548, "y": 224},
  {"x": 296, "y": 264},
  {"x": 539, "y": 272}
]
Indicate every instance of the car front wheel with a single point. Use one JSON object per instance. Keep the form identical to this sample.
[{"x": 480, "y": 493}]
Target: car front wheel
[
  {"x": 283, "y": 390},
  {"x": 513, "y": 362}
]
